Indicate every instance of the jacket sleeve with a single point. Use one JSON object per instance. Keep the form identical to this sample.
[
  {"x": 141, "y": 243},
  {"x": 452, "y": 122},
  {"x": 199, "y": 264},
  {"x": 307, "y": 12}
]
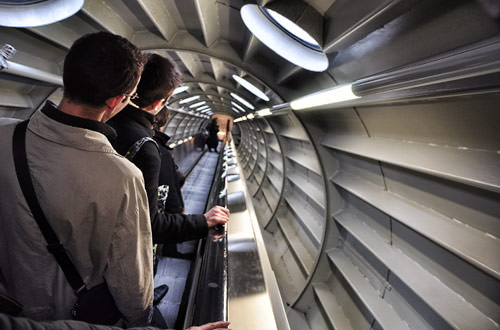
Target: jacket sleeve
[
  {"x": 8, "y": 322},
  {"x": 166, "y": 227},
  {"x": 177, "y": 227},
  {"x": 129, "y": 274}
]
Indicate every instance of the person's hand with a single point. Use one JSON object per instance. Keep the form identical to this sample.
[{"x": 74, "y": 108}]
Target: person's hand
[
  {"x": 211, "y": 326},
  {"x": 217, "y": 215}
]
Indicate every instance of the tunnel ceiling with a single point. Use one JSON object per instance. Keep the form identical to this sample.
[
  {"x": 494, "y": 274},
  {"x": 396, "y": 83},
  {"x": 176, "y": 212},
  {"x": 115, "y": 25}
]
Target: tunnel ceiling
[{"x": 209, "y": 42}]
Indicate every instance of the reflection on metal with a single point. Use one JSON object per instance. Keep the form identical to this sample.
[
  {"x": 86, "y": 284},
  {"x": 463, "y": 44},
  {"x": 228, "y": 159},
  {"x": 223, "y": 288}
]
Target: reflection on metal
[
  {"x": 236, "y": 201},
  {"x": 233, "y": 177},
  {"x": 32, "y": 73},
  {"x": 254, "y": 299}
]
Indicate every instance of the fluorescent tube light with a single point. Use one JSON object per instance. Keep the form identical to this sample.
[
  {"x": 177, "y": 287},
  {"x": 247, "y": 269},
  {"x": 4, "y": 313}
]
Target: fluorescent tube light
[
  {"x": 242, "y": 100},
  {"x": 264, "y": 112},
  {"x": 250, "y": 116},
  {"x": 189, "y": 99},
  {"x": 180, "y": 89},
  {"x": 251, "y": 88},
  {"x": 195, "y": 105},
  {"x": 237, "y": 106},
  {"x": 327, "y": 96}
]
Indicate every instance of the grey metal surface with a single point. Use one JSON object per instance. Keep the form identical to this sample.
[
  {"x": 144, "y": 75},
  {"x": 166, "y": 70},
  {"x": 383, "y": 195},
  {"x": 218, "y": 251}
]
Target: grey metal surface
[
  {"x": 254, "y": 301},
  {"x": 399, "y": 188},
  {"x": 174, "y": 271}
]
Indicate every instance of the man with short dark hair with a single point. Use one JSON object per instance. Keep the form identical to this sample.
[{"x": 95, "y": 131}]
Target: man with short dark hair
[
  {"x": 158, "y": 81},
  {"x": 92, "y": 197}
]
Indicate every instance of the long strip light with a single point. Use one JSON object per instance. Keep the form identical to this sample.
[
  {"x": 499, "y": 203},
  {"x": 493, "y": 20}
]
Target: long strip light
[
  {"x": 242, "y": 100},
  {"x": 202, "y": 107},
  {"x": 237, "y": 106},
  {"x": 250, "y": 87},
  {"x": 264, "y": 112},
  {"x": 180, "y": 89},
  {"x": 327, "y": 96},
  {"x": 189, "y": 99},
  {"x": 194, "y": 105},
  {"x": 235, "y": 110}
]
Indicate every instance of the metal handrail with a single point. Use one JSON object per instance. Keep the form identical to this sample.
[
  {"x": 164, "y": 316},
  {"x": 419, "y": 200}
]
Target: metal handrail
[{"x": 208, "y": 299}]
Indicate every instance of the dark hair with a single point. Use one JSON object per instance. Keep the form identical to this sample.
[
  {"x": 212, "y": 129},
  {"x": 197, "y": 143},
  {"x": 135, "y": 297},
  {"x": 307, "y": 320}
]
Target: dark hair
[
  {"x": 161, "y": 119},
  {"x": 160, "y": 76},
  {"x": 99, "y": 66}
]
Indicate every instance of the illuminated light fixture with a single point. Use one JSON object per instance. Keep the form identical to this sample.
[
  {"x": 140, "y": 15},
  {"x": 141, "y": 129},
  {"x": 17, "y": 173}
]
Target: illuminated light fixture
[
  {"x": 251, "y": 88},
  {"x": 284, "y": 37},
  {"x": 180, "y": 89},
  {"x": 189, "y": 99},
  {"x": 190, "y": 138},
  {"x": 31, "y": 13},
  {"x": 195, "y": 105},
  {"x": 237, "y": 106},
  {"x": 235, "y": 110},
  {"x": 202, "y": 107},
  {"x": 264, "y": 112},
  {"x": 327, "y": 96},
  {"x": 186, "y": 140},
  {"x": 206, "y": 110},
  {"x": 250, "y": 116},
  {"x": 242, "y": 100},
  {"x": 171, "y": 145},
  {"x": 180, "y": 142}
]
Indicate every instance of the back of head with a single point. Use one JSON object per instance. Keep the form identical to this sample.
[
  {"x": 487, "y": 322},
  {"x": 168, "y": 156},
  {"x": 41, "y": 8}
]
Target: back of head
[
  {"x": 100, "y": 66},
  {"x": 159, "y": 78}
]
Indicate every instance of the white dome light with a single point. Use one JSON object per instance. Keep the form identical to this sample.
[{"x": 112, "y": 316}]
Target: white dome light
[
  {"x": 271, "y": 34},
  {"x": 251, "y": 88},
  {"x": 242, "y": 100},
  {"x": 293, "y": 28},
  {"x": 37, "y": 13}
]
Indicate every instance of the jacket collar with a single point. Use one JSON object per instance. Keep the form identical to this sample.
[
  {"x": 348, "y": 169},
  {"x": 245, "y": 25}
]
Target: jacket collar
[
  {"x": 70, "y": 132},
  {"x": 52, "y": 112},
  {"x": 138, "y": 115},
  {"x": 161, "y": 137}
]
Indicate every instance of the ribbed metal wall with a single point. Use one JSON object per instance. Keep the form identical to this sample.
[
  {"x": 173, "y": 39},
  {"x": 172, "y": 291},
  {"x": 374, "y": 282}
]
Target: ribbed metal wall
[{"x": 390, "y": 213}]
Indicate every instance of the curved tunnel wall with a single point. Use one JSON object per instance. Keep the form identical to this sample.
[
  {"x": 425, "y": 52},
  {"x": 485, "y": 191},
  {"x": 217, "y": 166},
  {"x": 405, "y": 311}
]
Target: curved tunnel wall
[{"x": 388, "y": 214}]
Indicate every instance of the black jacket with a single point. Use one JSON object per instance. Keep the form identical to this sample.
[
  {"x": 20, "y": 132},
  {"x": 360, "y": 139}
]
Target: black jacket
[
  {"x": 169, "y": 175},
  {"x": 132, "y": 124}
]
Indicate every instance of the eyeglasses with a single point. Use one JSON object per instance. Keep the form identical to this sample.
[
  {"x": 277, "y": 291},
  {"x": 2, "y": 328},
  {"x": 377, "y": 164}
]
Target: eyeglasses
[{"x": 132, "y": 96}]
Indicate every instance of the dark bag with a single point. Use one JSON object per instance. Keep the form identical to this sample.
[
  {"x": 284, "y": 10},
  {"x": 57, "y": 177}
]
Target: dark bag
[
  {"x": 96, "y": 306},
  {"x": 93, "y": 306}
]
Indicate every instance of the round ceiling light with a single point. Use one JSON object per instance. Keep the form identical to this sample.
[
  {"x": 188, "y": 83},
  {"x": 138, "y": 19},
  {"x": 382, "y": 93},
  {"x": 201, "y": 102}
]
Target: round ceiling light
[
  {"x": 31, "y": 13},
  {"x": 284, "y": 37}
]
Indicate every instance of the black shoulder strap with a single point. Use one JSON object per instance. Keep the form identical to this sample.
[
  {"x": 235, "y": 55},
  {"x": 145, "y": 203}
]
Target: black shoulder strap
[
  {"x": 134, "y": 148},
  {"x": 24, "y": 177}
]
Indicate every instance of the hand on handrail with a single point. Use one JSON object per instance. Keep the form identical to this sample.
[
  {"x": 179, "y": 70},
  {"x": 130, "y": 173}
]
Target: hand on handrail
[
  {"x": 217, "y": 215},
  {"x": 211, "y": 326}
]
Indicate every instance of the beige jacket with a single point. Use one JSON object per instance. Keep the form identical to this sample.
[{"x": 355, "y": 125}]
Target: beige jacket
[{"x": 94, "y": 200}]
